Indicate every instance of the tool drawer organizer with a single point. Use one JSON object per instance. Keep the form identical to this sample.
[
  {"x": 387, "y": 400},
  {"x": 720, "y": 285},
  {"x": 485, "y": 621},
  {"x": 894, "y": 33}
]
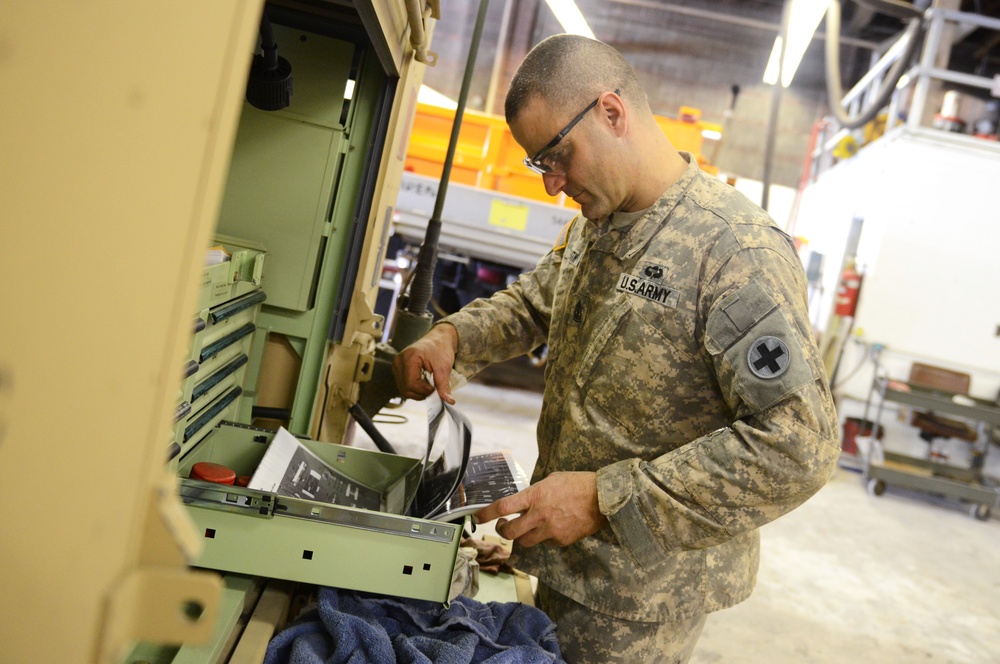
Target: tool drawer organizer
[
  {"x": 220, "y": 372},
  {"x": 259, "y": 533}
]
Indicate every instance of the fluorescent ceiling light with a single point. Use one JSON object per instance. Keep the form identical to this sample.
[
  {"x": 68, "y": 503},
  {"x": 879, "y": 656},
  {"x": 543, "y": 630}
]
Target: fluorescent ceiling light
[
  {"x": 805, "y": 18},
  {"x": 434, "y": 98},
  {"x": 570, "y": 17},
  {"x": 349, "y": 89}
]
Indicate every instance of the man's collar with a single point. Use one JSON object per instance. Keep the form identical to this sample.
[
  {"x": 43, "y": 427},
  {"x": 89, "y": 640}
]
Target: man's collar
[
  {"x": 654, "y": 217},
  {"x": 626, "y": 233}
]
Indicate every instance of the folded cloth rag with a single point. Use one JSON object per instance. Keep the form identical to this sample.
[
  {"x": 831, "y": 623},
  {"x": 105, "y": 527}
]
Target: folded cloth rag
[
  {"x": 491, "y": 556},
  {"x": 350, "y": 627}
]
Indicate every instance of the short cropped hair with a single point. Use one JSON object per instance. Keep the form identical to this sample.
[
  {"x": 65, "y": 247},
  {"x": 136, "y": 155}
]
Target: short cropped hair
[{"x": 570, "y": 71}]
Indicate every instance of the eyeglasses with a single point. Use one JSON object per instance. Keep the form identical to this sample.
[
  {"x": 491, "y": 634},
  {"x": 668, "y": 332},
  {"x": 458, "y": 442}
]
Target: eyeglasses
[{"x": 540, "y": 162}]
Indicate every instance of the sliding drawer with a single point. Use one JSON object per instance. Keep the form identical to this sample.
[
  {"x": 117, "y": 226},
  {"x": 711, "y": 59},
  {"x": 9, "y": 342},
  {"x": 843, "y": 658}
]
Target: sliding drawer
[
  {"x": 226, "y": 324},
  {"x": 199, "y": 424},
  {"x": 257, "y": 532},
  {"x": 230, "y": 279},
  {"x": 229, "y": 375}
]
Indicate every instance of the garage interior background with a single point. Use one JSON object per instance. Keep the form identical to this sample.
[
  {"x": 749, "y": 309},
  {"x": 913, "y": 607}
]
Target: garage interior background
[
  {"x": 691, "y": 53},
  {"x": 926, "y": 244}
]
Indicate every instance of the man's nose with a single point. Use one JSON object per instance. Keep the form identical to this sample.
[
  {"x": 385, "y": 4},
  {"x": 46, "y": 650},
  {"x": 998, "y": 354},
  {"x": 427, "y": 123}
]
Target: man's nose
[{"x": 554, "y": 182}]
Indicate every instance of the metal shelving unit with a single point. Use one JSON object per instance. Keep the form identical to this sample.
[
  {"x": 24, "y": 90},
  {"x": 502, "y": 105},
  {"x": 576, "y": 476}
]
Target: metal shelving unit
[
  {"x": 907, "y": 110},
  {"x": 882, "y": 468}
]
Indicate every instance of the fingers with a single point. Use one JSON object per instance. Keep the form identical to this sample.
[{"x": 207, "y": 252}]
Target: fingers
[
  {"x": 425, "y": 365},
  {"x": 560, "y": 509},
  {"x": 523, "y": 529},
  {"x": 442, "y": 379},
  {"x": 410, "y": 379},
  {"x": 519, "y": 502},
  {"x": 419, "y": 383},
  {"x": 533, "y": 537}
]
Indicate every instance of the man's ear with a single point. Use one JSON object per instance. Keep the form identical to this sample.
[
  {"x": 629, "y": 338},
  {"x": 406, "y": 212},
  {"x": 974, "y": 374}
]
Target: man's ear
[{"x": 614, "y": 114}]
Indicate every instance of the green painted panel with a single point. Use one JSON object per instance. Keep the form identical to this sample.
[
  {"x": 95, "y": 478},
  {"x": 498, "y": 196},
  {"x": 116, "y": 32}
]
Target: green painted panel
[
  {"x": 285, "y": 165},
  {"x": 279, "y": 189},
  {"x": 372, "y": 84},
  {"x": 327, "y": 554},
  {"x": 320, "y": 69}
]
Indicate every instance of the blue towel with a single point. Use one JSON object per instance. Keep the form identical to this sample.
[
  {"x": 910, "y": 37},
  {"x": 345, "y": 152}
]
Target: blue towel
[{"x": 350, "y": 627}]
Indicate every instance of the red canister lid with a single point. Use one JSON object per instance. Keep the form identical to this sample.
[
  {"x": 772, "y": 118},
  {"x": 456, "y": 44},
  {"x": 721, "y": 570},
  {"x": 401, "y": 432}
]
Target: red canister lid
[
  {"x": 243, "y": 480},
  {"x": 212, "y": 472}
]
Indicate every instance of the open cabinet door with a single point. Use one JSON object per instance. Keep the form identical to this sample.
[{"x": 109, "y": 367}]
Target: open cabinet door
[{"x": 117, "y": 151}]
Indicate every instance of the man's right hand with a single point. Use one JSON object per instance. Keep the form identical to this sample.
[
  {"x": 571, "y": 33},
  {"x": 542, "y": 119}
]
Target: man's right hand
[{"x": 432, "y": 355}]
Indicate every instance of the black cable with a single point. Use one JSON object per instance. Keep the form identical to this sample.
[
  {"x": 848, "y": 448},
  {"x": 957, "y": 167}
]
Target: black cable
[
  {"x": 269, "y": 85},
  {"x": 267, "y": 44},
  {"x": 326, "y": 401},
  {"x": 390, "y": 418},
  {"x": 835, "y": 91},
  {"x": 366, "y": 423}
]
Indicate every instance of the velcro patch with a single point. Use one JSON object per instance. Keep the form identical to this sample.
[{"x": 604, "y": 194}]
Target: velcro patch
[
  {"x": 738, "y": 312},
  {"x": 764, "y": 356}
]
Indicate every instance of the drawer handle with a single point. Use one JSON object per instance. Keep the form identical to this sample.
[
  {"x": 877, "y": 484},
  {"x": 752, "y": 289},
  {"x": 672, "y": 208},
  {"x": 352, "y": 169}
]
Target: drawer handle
[
  {"x": 211, "y": 412},
  {"x": 204, "y": 386},
  {"x": 214, "y": 348},
  {"x": 232, "y": 308}
]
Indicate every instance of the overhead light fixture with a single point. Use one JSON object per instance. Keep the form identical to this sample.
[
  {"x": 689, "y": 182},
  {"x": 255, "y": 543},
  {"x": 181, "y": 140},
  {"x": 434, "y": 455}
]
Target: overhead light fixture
[
  {"x": 802, "y": 24},
  {"x": 432, "y": 97},
  {"x": 570, "y": 17}
]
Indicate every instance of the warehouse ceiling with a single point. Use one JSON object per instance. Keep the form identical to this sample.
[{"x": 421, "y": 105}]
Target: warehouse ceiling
[
  {"x": 704, "y": 40},
  {"x": 695, "y": 53}
]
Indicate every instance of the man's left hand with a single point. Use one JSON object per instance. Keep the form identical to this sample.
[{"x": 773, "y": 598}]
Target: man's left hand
[{"x": 560, "y": 509}]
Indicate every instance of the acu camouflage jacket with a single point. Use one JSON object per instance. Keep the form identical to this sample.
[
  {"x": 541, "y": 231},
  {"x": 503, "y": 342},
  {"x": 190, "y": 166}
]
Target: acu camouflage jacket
[{"x": 682, "y": 369}]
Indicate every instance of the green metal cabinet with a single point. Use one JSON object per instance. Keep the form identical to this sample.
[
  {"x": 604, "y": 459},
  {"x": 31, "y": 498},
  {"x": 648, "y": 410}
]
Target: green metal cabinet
[{"x": 293, "y": 186}]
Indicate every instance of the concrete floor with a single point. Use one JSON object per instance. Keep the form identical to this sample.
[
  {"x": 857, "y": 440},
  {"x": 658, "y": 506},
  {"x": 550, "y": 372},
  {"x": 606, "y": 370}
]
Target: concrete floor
[{"x": 847, "y": 577}]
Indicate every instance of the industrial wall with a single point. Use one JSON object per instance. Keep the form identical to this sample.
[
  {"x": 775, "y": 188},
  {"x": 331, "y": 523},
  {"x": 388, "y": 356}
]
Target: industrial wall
[
  {"x": 681, "y": 60},
  {"x": 928, "y": 251}
]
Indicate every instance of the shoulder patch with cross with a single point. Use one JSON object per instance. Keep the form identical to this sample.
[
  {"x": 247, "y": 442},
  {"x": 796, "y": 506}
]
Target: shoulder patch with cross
[
  {"x": 763, "y": 354},
  {"x": 768, "y": 357}
]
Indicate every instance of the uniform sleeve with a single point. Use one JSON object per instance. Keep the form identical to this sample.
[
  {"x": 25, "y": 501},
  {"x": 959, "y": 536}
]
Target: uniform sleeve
[
  {"x": 511, "y": 323},
  {"x": 781, "y": 446}
]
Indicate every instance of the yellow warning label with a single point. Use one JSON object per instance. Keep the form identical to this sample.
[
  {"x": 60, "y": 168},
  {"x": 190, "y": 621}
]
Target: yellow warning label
[{"x": 509, "y": 215}]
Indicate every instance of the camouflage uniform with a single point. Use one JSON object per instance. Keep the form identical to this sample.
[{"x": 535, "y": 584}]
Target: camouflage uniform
[
  {"x": 682, "y": 369},
  {"x": 589, "y": 637}
]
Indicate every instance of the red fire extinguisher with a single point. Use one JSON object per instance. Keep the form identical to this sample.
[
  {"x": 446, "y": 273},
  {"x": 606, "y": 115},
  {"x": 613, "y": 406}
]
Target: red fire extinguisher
[{"x": 846, "y": 301}]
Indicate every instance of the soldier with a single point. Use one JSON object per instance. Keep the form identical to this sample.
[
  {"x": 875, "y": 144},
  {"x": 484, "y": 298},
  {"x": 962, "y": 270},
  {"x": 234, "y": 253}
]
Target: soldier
[{"x": 685, "y": 402}]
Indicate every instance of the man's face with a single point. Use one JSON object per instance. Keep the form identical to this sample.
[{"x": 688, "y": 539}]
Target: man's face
[{"x": 576, "y": 163}]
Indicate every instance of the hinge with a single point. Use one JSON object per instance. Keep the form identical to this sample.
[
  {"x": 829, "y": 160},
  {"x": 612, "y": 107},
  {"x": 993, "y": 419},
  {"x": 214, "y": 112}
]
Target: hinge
[{"x": 161, "y": 605}]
